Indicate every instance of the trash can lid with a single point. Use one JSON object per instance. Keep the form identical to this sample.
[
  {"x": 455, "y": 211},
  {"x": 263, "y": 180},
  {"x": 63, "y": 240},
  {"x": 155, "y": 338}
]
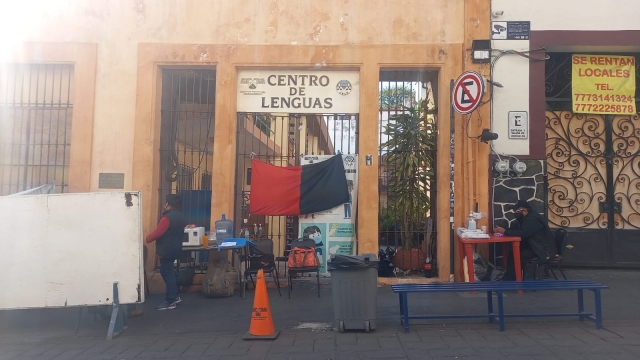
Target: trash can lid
[{"x": 337, "y": 262}]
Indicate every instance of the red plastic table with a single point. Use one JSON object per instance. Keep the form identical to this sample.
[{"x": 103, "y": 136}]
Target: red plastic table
[{"x": 466, "y": 248}]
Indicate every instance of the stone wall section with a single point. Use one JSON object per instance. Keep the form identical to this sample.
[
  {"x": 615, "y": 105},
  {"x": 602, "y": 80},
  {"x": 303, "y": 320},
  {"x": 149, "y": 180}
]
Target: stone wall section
[{"x": 509, "y": 188}]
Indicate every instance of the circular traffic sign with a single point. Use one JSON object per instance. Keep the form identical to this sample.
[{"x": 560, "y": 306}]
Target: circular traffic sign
[{"x": 467, "y": 92}]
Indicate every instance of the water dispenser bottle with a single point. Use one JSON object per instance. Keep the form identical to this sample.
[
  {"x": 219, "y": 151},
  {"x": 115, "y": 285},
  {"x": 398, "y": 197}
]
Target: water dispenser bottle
[{"x": 224, "y": 229}]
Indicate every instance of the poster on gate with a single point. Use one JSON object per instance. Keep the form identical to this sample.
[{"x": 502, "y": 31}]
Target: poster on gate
[
  {"x": 333, "y": 230},
  {"x": 603, "y": 84}
]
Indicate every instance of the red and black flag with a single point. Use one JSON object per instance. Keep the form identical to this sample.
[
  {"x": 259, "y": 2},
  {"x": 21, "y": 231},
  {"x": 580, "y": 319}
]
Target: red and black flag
[{"x": 297, "y": 190}]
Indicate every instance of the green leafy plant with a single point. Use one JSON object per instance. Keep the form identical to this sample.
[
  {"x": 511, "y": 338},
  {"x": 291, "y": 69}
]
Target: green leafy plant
[
  {"x": 410, "y": 162},
  {"x": 392, "y": 98}
]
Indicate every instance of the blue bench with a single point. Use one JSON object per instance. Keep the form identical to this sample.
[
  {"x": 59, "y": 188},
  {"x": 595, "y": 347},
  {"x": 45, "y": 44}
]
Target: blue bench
[{"x": 499, "y": 287}]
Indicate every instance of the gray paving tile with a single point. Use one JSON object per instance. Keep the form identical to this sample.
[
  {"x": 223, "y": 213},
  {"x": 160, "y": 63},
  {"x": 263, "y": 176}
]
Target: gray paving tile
[
  {"x": 389, "y": 343},
  {"x": 453, "y": 352},
  {"x": 131, "y": 352},
  {"x": 67, "y": 354},
  {"x": 417, "y": 355},
  {"x": 522, "y": 340},
  {"x": 623, "y": 356},
  {"x": 525, "y": 351},
  {"x": 223, "y": 342},
  {"x": 456, "y": 342},
  {"x": 196, "y": 349},
  {"x": 244, "y": 357},
  {"x": 9, "y": 354},
  {"x": 425, "y": 346},
  {"x": 382, "y": 354},
  {"x": 324, "y": 345}
]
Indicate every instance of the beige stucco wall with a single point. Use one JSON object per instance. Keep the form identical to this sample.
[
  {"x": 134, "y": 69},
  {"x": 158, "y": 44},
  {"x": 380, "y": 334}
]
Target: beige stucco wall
[
  {"x": 118, "y": 26},
  {"x": 117, "y": 47}
]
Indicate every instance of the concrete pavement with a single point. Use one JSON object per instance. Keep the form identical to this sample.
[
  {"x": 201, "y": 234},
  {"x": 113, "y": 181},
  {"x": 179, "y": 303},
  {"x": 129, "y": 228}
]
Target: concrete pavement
[{"x": 212, "y": 329}]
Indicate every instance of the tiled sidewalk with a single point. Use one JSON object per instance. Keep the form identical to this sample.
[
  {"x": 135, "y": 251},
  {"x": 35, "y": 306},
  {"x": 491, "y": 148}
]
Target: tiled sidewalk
[
  {"x": 531, "y": 342},
  {"x": 204, "y": 328}
]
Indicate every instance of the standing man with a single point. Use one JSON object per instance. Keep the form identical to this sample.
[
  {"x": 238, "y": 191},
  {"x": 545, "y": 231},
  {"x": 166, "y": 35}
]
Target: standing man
[
  {"x": 537, "y": 239},
  {"x": 347, "y": 206},
  {"x": 169, "y": 234}
]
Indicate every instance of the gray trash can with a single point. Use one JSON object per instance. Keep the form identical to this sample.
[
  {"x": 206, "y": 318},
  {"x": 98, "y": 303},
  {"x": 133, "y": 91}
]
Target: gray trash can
[{"x": 354, "y": 283}]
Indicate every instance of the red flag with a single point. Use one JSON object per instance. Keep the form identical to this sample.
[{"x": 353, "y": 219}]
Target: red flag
[{"x": 297, "y": 190}]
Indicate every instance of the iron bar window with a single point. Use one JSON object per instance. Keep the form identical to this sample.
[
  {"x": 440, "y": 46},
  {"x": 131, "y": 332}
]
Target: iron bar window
[
  {"x": 36, "y": 105},
  {"x": 186, "y": 140}
]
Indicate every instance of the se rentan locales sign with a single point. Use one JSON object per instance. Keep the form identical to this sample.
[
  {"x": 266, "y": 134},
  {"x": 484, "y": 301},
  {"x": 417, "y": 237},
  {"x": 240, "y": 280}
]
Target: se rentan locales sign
[
  {"x": 603, "y": 84},
  {"x": 518, "y": 125},
  {"x": 299, "y": 91}
]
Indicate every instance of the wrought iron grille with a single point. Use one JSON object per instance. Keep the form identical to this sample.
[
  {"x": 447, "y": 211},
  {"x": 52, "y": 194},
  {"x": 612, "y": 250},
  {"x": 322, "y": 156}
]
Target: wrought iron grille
[
  {"x": 36, "y": 103},
  {"x": 593, "y": 160},
  {"x": 186, "y": 140},
  {"x": 281, "y": 140},
  {"x": 400, "y": 91}
]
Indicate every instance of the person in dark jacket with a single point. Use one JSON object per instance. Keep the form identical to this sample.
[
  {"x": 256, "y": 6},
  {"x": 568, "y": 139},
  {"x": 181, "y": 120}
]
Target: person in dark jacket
[
  {"x": 537, "y": 239},
  {"x": 168, "y": 236}
]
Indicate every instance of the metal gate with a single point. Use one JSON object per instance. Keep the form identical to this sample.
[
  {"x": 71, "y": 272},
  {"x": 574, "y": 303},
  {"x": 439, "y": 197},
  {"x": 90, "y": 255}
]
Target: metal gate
[
  {"x": 36, "y": 105},
  {"x": 281, "y": 140},
  {"x": 186, "y": 141},
  {"x": 406, "y": 93},
  {"x": 593, "y": 180}
]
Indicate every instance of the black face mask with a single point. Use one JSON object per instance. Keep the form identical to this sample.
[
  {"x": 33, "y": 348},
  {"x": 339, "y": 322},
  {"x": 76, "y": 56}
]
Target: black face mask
[{"x": 518, "y": 216}]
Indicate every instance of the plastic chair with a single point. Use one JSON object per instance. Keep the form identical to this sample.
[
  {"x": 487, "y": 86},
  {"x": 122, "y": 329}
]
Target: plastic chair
[
  {"x": 308, "y": 243},
  {"x": 260, "y": 257},
  {"x": 560, "y": 237}
]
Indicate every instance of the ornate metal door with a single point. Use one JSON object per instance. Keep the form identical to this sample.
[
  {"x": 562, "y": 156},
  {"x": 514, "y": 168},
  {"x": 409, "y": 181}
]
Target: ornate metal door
[
  {"x": 593, "y": 180},
  {"x": 594, "y": 186}
]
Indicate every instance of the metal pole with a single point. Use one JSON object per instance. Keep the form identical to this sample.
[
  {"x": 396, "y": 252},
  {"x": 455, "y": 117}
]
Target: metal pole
[{"x": 451, "y": 211}]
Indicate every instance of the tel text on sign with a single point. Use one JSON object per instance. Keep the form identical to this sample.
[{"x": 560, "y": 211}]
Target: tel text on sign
[{"x": 603, "y": 84}]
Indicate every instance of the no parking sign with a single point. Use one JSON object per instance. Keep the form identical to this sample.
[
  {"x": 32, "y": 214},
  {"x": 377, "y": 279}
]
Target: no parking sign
[{"x": 467, "y": 92}]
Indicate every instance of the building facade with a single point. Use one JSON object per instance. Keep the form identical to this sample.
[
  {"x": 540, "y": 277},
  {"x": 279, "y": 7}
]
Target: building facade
[
  {"x": 581, "y": 166},
  {"x": 133, "y": 95}
]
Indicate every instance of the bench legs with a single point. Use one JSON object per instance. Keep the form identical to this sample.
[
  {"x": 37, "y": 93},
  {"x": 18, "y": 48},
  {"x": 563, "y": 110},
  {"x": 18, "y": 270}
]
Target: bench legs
[
  {"x": 405, "y": 314},
  {"x": 490, "y": 305},
  {"x": 581, "y": 303},
  {"x": 598, "y": 309},
  {"x": 500, "y": 310}
]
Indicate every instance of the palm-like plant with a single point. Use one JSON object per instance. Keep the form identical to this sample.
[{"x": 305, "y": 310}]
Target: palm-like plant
[{"x": 410, "y": 160}]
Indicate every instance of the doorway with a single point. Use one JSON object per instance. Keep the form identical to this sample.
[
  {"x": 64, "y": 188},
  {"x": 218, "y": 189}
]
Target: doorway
[
  {"x": 407, "y": 104},
  {"x": 186, "y": 141},
  {"x": 281, "y": 140},
  {"x": 593, "y": 176}
]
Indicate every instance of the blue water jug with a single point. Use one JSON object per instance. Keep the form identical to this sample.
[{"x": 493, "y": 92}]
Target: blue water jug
[{"x": 224, "y": 229}]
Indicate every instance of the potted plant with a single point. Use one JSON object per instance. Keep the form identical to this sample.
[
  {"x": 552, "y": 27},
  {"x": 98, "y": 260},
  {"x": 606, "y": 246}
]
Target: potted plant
[{"x": 410, "y": 162}]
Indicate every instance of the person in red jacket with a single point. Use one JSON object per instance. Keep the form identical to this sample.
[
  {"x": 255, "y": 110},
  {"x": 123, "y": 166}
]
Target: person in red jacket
[{"x": 168, "y": 236}]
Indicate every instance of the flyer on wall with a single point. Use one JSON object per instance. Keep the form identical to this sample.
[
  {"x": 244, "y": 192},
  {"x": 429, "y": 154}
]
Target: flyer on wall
[{"x": 333, "y": 230}]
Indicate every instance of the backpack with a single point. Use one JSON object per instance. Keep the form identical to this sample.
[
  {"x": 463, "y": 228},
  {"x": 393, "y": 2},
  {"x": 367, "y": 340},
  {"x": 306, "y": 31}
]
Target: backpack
[{"x": 303, "y": 257}]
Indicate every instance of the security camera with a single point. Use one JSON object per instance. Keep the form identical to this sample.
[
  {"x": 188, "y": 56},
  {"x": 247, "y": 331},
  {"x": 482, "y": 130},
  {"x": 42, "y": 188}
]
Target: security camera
[
  {"x": 499, "y": 28},
  {"x": 487, "y": 136}
]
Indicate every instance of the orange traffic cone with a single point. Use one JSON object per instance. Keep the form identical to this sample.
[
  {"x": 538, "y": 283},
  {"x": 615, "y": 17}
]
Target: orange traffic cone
[{"x": 261, "y": 320}]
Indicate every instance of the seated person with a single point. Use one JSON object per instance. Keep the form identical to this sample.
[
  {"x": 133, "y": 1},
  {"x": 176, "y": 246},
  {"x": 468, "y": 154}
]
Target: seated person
[{"x": 537, "y": 239}]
